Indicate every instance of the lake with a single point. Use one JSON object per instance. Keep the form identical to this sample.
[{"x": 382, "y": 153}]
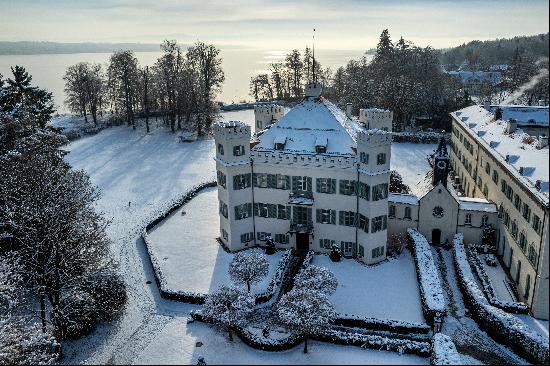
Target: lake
[{"x": 239, "y": 64}]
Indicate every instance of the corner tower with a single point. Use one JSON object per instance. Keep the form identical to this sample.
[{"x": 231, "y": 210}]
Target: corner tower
[
  {"x": 234, "y": 176},
  {"x": 267, "y": 114},
  {"x": 376, "y": 118}
]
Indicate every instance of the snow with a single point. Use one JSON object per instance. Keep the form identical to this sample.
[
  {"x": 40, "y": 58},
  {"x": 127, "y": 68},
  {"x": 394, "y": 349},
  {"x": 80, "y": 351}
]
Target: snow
[
  {"x": 188, "y": 253},
  {"x": 409, "y": 199},
  {"x": 388, "y": 290},
  {"x": 498, "y": 278},
  {"x": 310, "y": 121},
  {"x": 477, "y": 119},
  {"x": 444, "y": 351},
  {"x": 525, "y": 115},
  {"x": 411, "y": 161},
  {"x": 476, "y": 204}
]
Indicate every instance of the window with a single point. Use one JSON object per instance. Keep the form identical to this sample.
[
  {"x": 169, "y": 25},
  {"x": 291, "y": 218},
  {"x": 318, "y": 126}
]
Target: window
[
  {"x": 381, "y": 159},
  {"x": 326, "y": 243},
  {"x": 503, "y": 186},
  {"x": 283, "y": 212},
  {"x": 363, "y": 223},
  {"x": 495, "y": 176},
  {"x": 223, "y": 209},
  {"x": 514, "y": 229},
  {"x": 407, "y": 213},
  {"x": 347, "y": 218},
  {"x": 522, "y": 242},
  {"x": 260, "y": 235},
  {"x": 487, "y": 168},
  {"x": 532, "y": 255},
  {"x": 364, "y": 191},
  {"x": 258, "y": 124},
  {"x": 527, "y": 287},
  {"x": 485, "y": 190},
  {"x": 260, "y": 180},
  {"x": 509, "y": 193},
  {"x": 347, "y": 247},
  {"x": 220, "y": 149},
  {"x": 225, "y": 235},
  {"x": 247, "y": 237},
  {"x": 536, "y": 224},
  {"x": 238, "y": 150},
  {"x": 380, "y": 192},
  {"x": 526, "y": 212},
  {"x": 361, "y": 250},
  {"x": 506, "y": 219},
  {"x": 379, "y": 223},
  {"x": 301, "y": 215},
  {"x": 267, "y": 210},
  {"x": 243, "y": 211},
  {"x": 347, "y": 187},
  {"x": 222, "y": 179},
  {"x": 364, "y": 157},
  {"x": 391, "y": 211},
  {"x": 484, "y": 220},
  {"x": 325, "y": 185},
  {"x": 281, "y": 238},
  {"x": 283, "y": 181},
  {"x": 468, "y": 219},
  {"x": 241, "y": 181},
  {"x": 517, "y": 202},
  {"x": 500, "y": 211},
  {"x": 326, "y": 216},
  {"x": 301, "y": 184},
  {"x": 378, "y": 252}
]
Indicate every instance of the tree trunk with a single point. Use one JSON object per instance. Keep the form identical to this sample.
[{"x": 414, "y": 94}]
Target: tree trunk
[
  {"x": 248, "y": 285},
  {"x": 305, "y": 345},
  {"x": 43, "y": 312}
]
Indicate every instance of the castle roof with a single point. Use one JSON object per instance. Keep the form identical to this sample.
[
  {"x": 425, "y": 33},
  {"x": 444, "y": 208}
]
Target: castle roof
[{"x": 311, "y": 121}]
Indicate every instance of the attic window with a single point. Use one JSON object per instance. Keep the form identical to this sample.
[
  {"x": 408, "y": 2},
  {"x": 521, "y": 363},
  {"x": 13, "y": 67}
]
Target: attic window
[
  {"x": 321, "y": 145},
  {"x": 280, "y": 142}
]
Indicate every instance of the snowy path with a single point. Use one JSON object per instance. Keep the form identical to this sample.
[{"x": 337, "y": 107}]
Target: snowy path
[
  {"x": 148, "y": 171},
  {"x": 473, "y": 343}
]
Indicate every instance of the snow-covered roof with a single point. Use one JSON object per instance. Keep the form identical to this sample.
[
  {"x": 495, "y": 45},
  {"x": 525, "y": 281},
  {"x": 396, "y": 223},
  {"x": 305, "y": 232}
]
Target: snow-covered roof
[
  {"x": 525, "y": 115},
  {"x": 494, "y": 77},
  {"x": 476, "y": 204},
  {"x": 409, "y": 199},
  {"x": 313, "y": 120},
  {"x": 229, "y": 124},
  {"x": 532, "y": 162}
]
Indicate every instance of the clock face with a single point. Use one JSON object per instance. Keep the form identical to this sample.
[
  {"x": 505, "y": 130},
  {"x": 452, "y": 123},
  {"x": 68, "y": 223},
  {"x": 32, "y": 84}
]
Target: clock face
[
  {"x": 441, "y": 165},
  {"x": 438, "y": 211}
]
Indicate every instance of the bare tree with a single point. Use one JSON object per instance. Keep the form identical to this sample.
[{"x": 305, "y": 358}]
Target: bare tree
[
  {"x": 123, "y": 77},
  {"x": 248, "y": 268}
]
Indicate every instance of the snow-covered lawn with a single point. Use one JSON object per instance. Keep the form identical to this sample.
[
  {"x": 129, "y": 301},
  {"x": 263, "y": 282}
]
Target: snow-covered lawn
[
  {"x": 176, "y": 344},
  {"x": 498, "y": 279},
  {"x": 410, "y": 160},
  {"x": 186, "y": 248},
  {"x": 388, "y": 290}
]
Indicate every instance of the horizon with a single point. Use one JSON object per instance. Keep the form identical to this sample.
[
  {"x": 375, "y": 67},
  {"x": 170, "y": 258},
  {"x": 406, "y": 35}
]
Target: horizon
[{"x": 351, "y": 25}]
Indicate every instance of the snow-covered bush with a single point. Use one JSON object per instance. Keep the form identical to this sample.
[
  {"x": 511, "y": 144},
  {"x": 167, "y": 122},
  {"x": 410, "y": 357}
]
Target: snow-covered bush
[
  {"x": 487, "y": 286},
  {"x": 24, "y": 343},
  {"x": 396, "y": 326},
  {"x": 316, "y": 279},
  {"x": 305, "y": 311},
  {"x": 109, "y": 293},
  {"x": 503, "y": 327},
  {"x": 228, "y": 307},
  {"x": 248, "y": 267},
  {"x": 77, "y": 315},
  {"x": 431, "y": 291},
  {"x": 420, "y": 137},
  {"x": 444, "y": 351},
  {"x": 335, "y": 253},
  {"x": 276, "y": 281}
]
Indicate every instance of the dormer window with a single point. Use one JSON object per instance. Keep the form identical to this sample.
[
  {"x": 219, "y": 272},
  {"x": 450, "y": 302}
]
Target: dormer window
[
  {"x": 280, "y": 142},
  {"x": 321, "y": 145}
]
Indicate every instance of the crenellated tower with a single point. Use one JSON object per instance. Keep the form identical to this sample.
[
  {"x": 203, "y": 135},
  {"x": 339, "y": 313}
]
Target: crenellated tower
[
  {"x": 376, "y": 118},
  {"x": 234, "y": 175},
  {"x": 267, "y": 114}
]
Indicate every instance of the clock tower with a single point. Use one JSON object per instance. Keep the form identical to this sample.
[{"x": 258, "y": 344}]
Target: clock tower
[{"x": 441, "y": 164}]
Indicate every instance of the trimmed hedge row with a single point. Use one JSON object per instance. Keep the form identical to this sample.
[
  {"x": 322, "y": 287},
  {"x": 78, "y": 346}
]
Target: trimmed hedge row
[
  {"x": 443, "y": 351},
  {"x": 422, "y": 137},
  {"x": 500, "y": 325},
  {"x": 487, "y": 286},
  {"x": 431, "y": 291},
  {"x": 275, "y": 284},
  {"x": 331, "y": 336},
  {"x": 395, "y": 326}
]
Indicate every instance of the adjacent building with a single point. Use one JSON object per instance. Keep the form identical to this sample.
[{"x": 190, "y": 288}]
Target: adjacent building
[{"x": 494, "y": 159}]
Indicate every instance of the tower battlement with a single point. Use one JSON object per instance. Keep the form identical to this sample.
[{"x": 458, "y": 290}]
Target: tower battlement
[
  {"x": 267, "y": 114},
  {"x": 373, "y": 138},
  {"x": 229, "y": 130},
  {"x": 376, "y": 118}
]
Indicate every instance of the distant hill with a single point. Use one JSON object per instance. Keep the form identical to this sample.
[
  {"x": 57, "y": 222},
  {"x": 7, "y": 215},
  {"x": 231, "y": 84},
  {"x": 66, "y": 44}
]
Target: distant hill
[
  {"x": 499, "y": 51},
  {"x": 38, "y": 48}
]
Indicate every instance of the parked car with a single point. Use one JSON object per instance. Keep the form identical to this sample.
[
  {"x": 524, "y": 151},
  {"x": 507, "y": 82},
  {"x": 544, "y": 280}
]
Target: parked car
[{"x": 490, "y": 260}]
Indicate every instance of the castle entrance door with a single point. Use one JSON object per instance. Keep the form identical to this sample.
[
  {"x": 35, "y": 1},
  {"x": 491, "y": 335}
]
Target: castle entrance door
[
  {"x": 302, "y": 243},
  {"x": 436, "y": 237}
]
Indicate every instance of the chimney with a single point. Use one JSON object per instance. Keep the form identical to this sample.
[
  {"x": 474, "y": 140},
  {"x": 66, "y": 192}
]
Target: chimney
[
  {"x": 511, "y": 126},
  {"x": 348, "y": 110},
  {"x": 543, "y": 142}
]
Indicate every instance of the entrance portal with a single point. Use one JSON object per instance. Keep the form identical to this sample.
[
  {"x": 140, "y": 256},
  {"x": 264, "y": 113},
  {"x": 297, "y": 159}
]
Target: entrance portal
[
  {"x": 436, "y": 237},
  {"x": 302, "y": 243}
]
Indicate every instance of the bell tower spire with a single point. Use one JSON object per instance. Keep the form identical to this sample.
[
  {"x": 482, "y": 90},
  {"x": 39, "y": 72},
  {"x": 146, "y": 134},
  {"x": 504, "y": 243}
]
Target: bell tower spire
[{"x": 441, "y": 164}]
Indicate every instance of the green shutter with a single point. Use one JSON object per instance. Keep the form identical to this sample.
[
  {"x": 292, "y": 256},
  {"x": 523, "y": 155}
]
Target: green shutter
[
  {"x": 256, "y": 209},
  {"x": 318, "y": 215},
  {"x": 333, "y": 217},
  {"x": 248, "y": 179},
  {"x": 354, "y": 251},
  {"x": 309, "y": 187},
  {"x": 255, "y": 179},
  {"x": 249, "y": 209},
  {"x": 272, "y": 210},
  {"x": 332, "y": 185},
  {"x": 341, "y": 217},
  {"x": 294, "y": 184},
  {"x": 271, "y": 181},
  {"x": 318, "y": 185}
]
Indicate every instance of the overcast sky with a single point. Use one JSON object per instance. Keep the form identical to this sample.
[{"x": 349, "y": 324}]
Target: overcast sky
[{"x": 270, "y": 24}]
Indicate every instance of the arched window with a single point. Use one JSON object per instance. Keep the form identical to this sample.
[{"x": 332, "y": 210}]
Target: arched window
[
  {"x": 407, "y": 213},
  {"x": 391, "y": 212}
]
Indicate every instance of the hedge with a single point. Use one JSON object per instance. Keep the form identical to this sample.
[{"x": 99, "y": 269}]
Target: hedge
[{"x": 443, "y": 351}]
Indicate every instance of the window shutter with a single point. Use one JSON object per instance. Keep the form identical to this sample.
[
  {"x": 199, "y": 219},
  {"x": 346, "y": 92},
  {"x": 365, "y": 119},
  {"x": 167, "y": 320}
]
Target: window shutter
[
  {"x": 341, "y": 217},
  {"x": 294, "y": 184},
  {"x": 318, "y": 215},
  {"x": 255, "y": 179},
  {"x": 341, "y": 184},
  {"x": 332, "y": 188},
  {"x": 309, "y": 219},
  {"x": 288, "y": 212},
  {"x": 354, "y": 254},
  {"x": 342, "y": 247},
  {"x": 318, "y": 185},
  {"x": 248, "y": 177},
  {"x": 249, "y": 209},
  {"x": 256, "y": 209},
  {"x": 333, "y": 217},
  {"x": 309, "y": 184},
  {"x": 271, "y": 181}
]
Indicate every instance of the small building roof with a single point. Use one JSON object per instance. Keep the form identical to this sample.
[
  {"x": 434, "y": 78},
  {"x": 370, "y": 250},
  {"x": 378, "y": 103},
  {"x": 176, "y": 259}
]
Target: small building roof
[
  {"x": 476, "y": 204},
  {"x": 409, "y": 199},
  {"x": 525, "y": 115}
]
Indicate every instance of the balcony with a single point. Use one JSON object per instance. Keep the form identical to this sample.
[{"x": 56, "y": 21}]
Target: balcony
[
  {"x": 302, "y": 198},
  {"x": 301, "y": 227}
]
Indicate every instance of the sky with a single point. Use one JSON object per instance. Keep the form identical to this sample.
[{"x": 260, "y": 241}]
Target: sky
[{"x": 271, "y": 24}]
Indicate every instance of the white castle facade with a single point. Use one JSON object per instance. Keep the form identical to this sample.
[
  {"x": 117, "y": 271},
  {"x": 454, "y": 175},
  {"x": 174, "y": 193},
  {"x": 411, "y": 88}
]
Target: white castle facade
[{"x": 316, "y": 178}]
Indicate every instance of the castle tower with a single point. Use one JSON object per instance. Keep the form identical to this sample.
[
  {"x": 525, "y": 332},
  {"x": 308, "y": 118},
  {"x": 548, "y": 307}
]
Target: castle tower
[
  {"x": 374, "y": 154},
  {"x": 376, "y": 118},
  {"x": 234, "y": 175},
  {"x": 441, "y": 164},
  {"x": 267, "y": 114}
]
